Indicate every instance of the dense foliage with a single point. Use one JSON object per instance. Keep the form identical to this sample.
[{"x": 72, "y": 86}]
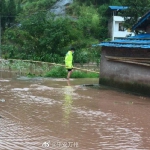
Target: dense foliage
[
  {"x": 135, "y": 10},
  {"x": 41, "y": 36},
  {"x": 30, "y": 31}
]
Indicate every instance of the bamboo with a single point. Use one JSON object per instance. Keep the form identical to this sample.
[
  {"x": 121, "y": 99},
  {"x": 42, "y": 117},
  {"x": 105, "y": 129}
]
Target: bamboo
[
  {"x": 128, "y": 58},
  {"x": 119, "y": 59},
  {"x": 134, "y": 60},
  {"x": 142, "y": 61},
  {"x": 31, "y": 61}
]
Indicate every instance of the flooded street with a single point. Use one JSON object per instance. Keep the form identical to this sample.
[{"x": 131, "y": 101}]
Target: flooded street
[{"x": 47, "y": 114}]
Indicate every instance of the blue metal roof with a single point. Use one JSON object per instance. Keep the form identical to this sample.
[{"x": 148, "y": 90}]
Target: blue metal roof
[
  {"x": 139, "y": 41},
  {"x": 118, "y": 7},
  {"x": 141, "y": 36},
  {"x": 141, "y": 20}
]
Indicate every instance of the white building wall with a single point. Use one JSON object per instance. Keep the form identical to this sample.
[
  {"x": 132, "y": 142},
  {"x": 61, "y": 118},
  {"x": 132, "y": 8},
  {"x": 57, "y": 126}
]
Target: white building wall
[{"x": 115, "y": 20}]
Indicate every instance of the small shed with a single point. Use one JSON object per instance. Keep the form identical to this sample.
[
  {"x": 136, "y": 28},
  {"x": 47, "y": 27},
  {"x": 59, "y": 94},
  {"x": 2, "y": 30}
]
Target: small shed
[{"x": 125, "y": 62}]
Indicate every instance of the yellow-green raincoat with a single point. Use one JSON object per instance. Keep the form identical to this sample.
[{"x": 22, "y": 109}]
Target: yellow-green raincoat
[{"x": 68, "y": 60}]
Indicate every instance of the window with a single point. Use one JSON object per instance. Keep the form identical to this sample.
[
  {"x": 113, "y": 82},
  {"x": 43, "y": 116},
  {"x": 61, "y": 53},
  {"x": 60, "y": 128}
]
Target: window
[{"x": 121, "y": 27}]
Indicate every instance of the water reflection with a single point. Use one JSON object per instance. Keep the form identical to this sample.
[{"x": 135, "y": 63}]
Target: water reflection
[{"x": 67, "y": 102}]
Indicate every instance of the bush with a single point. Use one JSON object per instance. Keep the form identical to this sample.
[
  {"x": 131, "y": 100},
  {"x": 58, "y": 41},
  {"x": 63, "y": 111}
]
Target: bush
[
  {"x": 79, "y": 74},
  {"x": 57, "y": 72},
  {"x": 60, "y": 72}
]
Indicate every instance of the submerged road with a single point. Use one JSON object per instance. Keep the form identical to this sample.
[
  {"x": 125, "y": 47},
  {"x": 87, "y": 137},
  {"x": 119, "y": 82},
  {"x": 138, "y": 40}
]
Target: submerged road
[{"x": 46, "y": 113}]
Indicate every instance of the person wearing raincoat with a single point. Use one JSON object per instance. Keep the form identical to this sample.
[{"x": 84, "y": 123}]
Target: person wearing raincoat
[{"x": 68, "y": 62}]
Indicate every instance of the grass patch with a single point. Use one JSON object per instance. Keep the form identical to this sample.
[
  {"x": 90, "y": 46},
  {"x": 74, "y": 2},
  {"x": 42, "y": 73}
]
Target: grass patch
[
  {"x": 56, "y": 72},
  {"x": 30, "y": 75},
  {"x": 81, "y": 74},
  {"x": 61, "y": 72}
]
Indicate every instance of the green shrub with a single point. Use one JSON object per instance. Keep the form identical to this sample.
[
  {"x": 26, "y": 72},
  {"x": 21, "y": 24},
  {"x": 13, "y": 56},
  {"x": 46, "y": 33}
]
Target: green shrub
[
  {"x": 56, "y": 72},
  {"x": 80, "y": 74},
  {"x": 61, "y": 72}
]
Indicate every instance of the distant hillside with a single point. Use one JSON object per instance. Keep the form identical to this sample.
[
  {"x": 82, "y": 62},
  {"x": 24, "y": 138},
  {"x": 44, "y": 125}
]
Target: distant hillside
[{"x": 37, "y": 5}]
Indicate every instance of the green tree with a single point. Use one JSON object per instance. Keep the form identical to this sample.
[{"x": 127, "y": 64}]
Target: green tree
[
  {"x": 11, "y": 12},
  {"x": 41, "y": 38},
  {"x": 3, "y": 14},
  {"x": 135, "y": 10},
  {"x": 89, "y": 21},
  {"x": 19, "y": 8},
  {"x": 93, "y": 2}
]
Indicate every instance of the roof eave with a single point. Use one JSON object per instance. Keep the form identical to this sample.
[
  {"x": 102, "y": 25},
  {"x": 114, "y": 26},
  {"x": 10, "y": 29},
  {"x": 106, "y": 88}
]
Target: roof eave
[{"x": 140, "y": 21}]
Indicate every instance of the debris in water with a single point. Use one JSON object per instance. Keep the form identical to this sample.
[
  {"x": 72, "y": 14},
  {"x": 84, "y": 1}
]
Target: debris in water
[{"x": 2, "y": 100}]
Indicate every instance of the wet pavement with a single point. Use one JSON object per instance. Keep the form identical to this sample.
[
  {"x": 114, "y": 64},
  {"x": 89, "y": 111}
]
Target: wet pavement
[{"x": 47, "y": 114}]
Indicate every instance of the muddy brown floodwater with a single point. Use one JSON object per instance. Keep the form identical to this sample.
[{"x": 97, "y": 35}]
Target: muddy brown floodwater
[{"x": 53, "y": 114}]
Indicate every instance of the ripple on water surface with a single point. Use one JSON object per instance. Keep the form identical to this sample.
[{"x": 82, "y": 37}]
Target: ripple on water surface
[{"x": 47, "y": 114}]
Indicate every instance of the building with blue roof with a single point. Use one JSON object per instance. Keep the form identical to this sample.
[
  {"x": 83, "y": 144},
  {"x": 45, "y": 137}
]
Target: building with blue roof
[
  {"x": 138, "y": 41},
  {"x": 115, "y": 23},
  {"x": 118, "y": 7},
  {"x": 125, "y": 62}
]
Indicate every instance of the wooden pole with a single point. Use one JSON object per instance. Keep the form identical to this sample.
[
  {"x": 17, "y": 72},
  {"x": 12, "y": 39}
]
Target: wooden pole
[
  {"x": 131, "y": 60},
  {"x": 86, "y": 70}
]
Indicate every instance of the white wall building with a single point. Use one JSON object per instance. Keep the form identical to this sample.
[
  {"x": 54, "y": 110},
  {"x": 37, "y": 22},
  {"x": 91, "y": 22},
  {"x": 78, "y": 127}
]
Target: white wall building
[{"x": 115, "y": 25}]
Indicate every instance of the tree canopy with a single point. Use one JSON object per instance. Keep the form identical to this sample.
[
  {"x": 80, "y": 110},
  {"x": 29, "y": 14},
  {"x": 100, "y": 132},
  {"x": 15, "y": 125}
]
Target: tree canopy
[
  {"x": 136, "y": 9},
  {"x": 30, "y": 31}
]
